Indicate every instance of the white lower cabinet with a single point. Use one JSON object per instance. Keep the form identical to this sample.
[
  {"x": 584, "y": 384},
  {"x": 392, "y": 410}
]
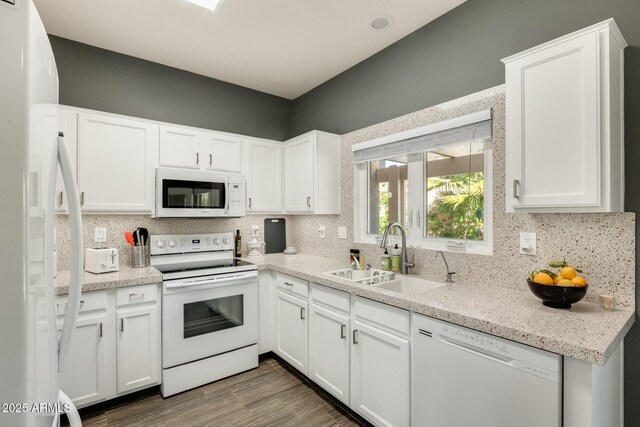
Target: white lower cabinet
[
  {"x": 138, "y": 349},
  {"x": 380, "y": 377},
  {"x": 329, "y": 351},
  {"x": 292, "y": 333},
  {"x": 115, "y": 350},
  {"x": 86, "y": 378}
]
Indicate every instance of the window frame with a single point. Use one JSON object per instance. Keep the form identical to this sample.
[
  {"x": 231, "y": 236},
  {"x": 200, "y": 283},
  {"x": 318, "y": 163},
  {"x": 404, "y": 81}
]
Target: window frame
[{"x": 416, "y": 178}]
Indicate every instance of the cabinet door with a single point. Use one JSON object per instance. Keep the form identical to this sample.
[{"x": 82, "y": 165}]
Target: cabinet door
[
  {"x": 85, "y": 379},
  {"x": 138, "y": 348},
  {"x": 264, "y": 189},
  {"x": 180, "y": 148},
  {"x": 553, "y": 142},
  {"x": 292, "y": 332},
  {"x": 221, "y": 152},
  {"x": 299, "y": 164},
  {"x": 380, "y": 377},
  {"x": 329, "y": 351},
  {"x": 116, "y": 164}
]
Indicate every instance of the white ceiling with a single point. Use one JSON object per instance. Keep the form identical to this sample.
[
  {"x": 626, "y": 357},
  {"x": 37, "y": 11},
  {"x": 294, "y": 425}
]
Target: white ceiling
[{"x": 282, "y": 47}]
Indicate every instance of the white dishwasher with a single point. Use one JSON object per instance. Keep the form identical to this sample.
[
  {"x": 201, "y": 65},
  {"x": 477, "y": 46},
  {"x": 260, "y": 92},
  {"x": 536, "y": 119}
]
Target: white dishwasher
[{"x": 464, "y": 378}]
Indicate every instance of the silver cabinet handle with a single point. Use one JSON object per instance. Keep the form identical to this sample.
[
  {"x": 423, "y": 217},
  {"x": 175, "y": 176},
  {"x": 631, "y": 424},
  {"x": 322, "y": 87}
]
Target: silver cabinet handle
[
  {"x": 343, "y": 331},
  {"x": 309, "y": 202},
  {"x": 418, "y": 223},
  {"x": 100, "y": 330},
  {"x": 410, "y": 218},
  {"x": 516, "y": 189},
  {"x": 210, "y": 159},
  {"x": 302, "y": 316},
  {"x": 249, "y": 202},
  {"x": 60, "y": 198},
  {"x": 355, "y": 336},
  {"x": 197, "y": 158},
  {"x": 122, "y": 324},
  {"x": 288, "y": 284},
  {"x": 82, "y": 198}
]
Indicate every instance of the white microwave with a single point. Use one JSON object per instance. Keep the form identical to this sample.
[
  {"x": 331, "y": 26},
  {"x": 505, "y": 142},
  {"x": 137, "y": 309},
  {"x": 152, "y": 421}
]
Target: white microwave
[{"x": 182, "y": 193}]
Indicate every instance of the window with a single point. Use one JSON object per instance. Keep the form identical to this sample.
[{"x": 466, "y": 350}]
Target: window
[
  {"x": 388, "y": 193},
  {"x": 436, "y": 181},
  {"x": 455, "y": 192}
]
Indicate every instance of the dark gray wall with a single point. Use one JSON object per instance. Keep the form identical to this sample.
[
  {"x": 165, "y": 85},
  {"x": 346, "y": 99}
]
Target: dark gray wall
[
  {"x": 107, "y": 81},
  {"x": 459, "y": 54}
]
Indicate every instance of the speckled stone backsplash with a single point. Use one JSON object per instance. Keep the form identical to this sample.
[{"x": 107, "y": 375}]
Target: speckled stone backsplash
[
  {"x": 117, "y": 224},
  {"x": 603, "y": 245}
]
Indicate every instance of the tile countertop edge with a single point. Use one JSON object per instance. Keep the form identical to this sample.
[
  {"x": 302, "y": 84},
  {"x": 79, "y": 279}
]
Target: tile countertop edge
[{"x": 597, "y": 355}]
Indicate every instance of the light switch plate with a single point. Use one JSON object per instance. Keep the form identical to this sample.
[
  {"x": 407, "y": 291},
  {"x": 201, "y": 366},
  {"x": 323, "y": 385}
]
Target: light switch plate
[
  {"x": 528, "y": 243},
  {"x": 255, "y": 230},
  {"x": 322, "y": 232},
  {"x": 342, "y": 232},
  {"x": 100, "y": 235}
]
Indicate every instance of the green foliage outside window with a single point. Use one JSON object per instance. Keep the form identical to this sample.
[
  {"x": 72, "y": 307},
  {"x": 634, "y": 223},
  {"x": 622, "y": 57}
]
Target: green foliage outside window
[{"x": 457, "y": 210}]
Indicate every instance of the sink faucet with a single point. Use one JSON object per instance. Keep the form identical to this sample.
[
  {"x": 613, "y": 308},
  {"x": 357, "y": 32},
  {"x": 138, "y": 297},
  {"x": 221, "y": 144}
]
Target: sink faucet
[
  {"x": 405, "y": 265},
  {"x": 446, "y": 264}
]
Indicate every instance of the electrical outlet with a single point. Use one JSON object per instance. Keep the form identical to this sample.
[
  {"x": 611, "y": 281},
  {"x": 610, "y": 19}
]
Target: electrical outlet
[
  {"x": 322, "y": 231},
  {"x": 528, "y": 243},
  {"x": 255, "y": 230},
  {"x": 342, "y": 232},
  {"x": 100, "y": 235}
]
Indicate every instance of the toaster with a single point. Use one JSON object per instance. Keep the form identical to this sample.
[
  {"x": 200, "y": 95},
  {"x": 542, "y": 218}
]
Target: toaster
[{"x": 101, "y": 260}]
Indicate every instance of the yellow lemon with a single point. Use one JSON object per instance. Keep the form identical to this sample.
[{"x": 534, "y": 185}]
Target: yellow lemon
[
  {"x": 543, "y": 279},
  {"x": 568, "y": 272},
  {"x": 579, "y": 281},
  {"x": 566, "y": 283}
]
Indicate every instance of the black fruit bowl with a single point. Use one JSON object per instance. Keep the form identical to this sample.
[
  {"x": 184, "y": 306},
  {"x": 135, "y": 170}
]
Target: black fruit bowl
[{"x": 557, "y": 296}]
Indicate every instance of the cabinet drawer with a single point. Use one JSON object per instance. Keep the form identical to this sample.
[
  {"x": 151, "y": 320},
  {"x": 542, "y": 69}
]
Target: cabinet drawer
[
  {"x": 382, "y": 315},
  {"x": 136, "y": 295},
  {"x": 88, "y": 302},
  {"x": 292, "y": 285},
  {"x": 330, "y": 297}
]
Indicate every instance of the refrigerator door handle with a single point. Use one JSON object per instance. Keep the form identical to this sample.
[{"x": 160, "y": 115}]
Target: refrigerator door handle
[
  {"x": 70, "y": 409},
  {"x": 75, "y": 224}
]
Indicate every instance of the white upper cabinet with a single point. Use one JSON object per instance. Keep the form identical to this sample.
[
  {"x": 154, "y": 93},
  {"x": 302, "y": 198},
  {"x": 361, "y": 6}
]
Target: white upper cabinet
[
  {"x": 117, "y": 158},
  {"x": 264, "y": 176},
  {"x": 179, "y": 147},
  {"x": 222, "y": 152},
  {"x": 564, "y": 124},
  {"x": 183, "y": 147},
  {"x": 312, "y": 174}
]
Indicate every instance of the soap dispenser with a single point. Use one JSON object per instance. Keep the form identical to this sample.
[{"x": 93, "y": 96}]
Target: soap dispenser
[
  {"x": 396, "y": 259},
  {"x": 386, "y": 260}
]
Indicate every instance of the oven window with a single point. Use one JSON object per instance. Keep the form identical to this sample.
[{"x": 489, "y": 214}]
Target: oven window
[
  {"x": 180, "y": 194},
  {"x": 205, "y": 317}
]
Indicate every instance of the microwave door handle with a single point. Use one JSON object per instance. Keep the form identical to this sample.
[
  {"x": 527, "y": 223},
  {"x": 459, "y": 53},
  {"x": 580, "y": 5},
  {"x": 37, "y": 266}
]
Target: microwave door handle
[{"x": 227, "y": 195}]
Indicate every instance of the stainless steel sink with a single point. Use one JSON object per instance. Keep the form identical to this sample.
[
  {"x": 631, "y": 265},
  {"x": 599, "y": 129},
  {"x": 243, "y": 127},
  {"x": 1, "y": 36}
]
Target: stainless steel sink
[{"x": 409, "y": 285}]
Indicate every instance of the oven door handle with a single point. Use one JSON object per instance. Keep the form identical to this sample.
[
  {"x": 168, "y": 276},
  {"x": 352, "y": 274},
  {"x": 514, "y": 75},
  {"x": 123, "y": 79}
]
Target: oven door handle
[{"x": 181, "y": 285}]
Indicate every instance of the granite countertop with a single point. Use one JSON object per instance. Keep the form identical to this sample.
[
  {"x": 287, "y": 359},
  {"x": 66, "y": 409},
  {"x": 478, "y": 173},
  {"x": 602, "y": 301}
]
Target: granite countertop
[
  {"x": 127, "y": 276},
  {"x": 585, "y": 332}
]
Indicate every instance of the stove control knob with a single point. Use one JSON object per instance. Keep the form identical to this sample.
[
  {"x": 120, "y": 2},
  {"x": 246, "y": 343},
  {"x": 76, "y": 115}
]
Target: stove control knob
[
  {"x": 225, "y": 240},
  {"x": 160, "y": 244},
  {"x": 172, "y": 243},
  {"x": 216, "y": 241}
]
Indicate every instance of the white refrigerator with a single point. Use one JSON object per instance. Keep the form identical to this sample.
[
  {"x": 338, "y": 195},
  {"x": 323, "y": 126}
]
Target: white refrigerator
[{"x": 32, "y": 352}]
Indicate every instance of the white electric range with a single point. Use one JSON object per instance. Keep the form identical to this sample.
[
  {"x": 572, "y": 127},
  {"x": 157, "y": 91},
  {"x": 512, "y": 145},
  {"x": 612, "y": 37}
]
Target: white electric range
[{"x": 209, "y": 309}]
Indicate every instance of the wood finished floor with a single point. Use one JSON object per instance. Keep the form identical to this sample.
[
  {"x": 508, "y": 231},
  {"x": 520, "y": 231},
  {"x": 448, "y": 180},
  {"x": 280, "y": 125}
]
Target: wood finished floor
[{"x": 270, "y": 395}]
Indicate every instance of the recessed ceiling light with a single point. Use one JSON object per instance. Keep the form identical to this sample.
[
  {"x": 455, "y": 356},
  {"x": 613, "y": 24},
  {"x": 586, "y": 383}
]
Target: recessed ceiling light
[
  {"x": 207, "y": 4},
  {"x": 381, "y": 23}
]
